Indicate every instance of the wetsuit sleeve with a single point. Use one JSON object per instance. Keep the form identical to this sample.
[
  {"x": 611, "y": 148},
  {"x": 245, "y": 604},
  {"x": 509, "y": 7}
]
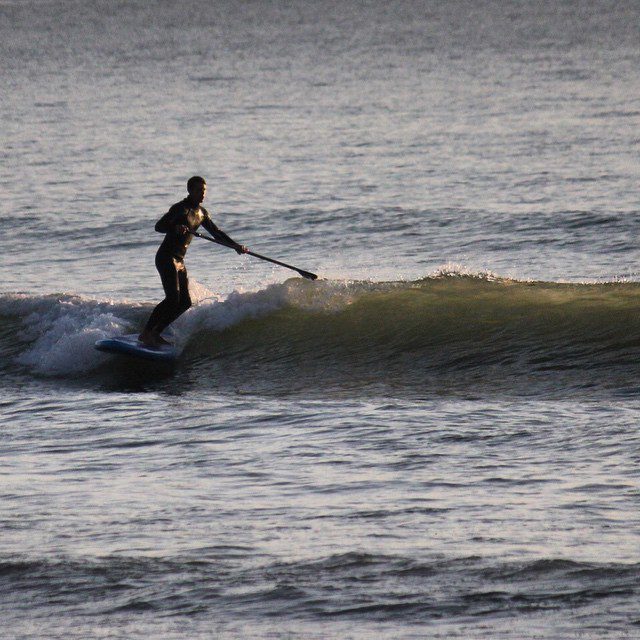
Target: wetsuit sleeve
[
  {"x": 217, "y": 233},
  {"x": 168, "y": 221}
]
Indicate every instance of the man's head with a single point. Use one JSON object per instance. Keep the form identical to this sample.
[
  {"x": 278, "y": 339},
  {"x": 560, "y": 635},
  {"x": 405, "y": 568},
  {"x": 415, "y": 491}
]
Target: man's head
[{"x": 197, "y": 189}]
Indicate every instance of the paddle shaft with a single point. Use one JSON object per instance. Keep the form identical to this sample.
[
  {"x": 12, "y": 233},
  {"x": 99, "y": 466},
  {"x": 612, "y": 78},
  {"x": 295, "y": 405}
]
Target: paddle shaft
[{"x": 304, "y": 274}]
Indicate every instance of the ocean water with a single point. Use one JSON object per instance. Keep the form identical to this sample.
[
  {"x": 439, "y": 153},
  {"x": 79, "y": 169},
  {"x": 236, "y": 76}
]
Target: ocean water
[{"x": 438, "y": 438}]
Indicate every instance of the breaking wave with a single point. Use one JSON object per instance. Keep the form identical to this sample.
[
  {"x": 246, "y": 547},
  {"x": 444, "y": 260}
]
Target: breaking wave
[{"x": 446, "y": 331}]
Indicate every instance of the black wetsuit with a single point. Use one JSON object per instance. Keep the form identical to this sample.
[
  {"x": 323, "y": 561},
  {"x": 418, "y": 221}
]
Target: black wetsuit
[{"x": 170, "y": 259}]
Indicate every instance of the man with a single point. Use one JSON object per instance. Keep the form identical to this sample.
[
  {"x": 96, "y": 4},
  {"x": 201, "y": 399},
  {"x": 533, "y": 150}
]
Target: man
[{"x": 182, "y": 218}]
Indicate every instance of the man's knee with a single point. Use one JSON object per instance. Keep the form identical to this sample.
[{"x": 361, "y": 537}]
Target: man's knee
[
  {"x": 173, "y": 300},
  {"x": 185, "y": 303}
]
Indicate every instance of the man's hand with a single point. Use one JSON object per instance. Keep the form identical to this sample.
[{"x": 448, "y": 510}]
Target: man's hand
[{"x": 240, "y": 249}]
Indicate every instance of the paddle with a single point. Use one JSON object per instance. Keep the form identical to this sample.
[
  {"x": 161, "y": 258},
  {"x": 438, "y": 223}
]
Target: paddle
[{"x": 304, "y": 274}]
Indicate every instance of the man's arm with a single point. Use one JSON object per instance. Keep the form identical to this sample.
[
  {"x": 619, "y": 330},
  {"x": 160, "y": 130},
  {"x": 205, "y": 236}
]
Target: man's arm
[
  {"x": 220, "y": 235},
  {"x": 167, "y": 223}
]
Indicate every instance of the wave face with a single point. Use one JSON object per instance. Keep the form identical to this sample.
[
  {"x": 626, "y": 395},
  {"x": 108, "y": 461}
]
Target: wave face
[
  {"x": 447, "y": 332},
  {"x": 356, "y": 587}
]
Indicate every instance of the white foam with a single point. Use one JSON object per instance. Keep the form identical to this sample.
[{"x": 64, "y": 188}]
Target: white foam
[
  {"x": 326, "y": 296},
  {"x": 455, "y": 270},
  {"x": 215, "y": 314},
  {"x": 60, "y": 331}
]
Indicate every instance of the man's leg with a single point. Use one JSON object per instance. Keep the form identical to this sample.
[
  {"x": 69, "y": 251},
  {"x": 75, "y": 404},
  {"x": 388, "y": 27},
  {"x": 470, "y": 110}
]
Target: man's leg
[
  {"x": 164, "y": 312},
  {"x": 184, "y": 301}
]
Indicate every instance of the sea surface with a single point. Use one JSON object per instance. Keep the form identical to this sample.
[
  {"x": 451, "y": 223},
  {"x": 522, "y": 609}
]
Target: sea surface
[{"x": 439, "y": 437}]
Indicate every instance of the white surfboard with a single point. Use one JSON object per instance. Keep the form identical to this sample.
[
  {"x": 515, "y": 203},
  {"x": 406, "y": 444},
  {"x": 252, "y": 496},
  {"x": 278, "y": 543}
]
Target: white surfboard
[{"x": 130, "y": 345}]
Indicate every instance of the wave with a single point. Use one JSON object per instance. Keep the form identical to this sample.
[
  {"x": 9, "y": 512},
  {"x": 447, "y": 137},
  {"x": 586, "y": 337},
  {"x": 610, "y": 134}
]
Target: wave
[
  {"x": 361, "y": 586},
  {"x": 448, "y": 329}
]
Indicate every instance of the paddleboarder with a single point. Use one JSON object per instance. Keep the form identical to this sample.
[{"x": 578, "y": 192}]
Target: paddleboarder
[{"x": 177, "y": 224}]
